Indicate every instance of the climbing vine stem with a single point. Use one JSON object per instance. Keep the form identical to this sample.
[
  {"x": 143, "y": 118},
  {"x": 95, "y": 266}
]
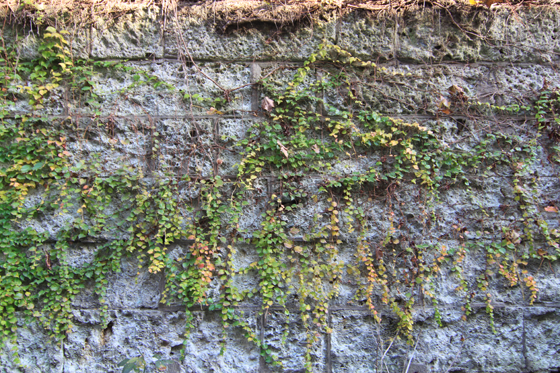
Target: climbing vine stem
[{"x": 345, "y": 200}]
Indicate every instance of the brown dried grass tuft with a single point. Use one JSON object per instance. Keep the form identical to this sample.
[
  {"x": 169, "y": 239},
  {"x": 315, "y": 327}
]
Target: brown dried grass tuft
[{"x": 227, "y": 14}]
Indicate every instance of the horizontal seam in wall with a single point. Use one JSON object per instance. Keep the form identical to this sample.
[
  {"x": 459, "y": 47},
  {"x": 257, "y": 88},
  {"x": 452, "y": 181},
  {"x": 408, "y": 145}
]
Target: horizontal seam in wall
[
  {"x": 251, "y": 116},
  {"x": 364, "y": 309},
  {"x": 298, "y": 63}
]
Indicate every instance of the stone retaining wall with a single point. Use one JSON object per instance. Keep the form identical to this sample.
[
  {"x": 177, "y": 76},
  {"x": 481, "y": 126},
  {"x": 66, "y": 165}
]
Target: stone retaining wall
[{"x": 500, "y": 56}]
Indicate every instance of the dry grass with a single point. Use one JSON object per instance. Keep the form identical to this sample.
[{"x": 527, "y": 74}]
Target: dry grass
[{"x": 225, "y": 12}]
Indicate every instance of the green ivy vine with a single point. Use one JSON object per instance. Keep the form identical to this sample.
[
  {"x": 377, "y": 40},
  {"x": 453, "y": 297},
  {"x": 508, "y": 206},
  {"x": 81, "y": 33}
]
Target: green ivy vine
[{"x": 305, "y": 130}]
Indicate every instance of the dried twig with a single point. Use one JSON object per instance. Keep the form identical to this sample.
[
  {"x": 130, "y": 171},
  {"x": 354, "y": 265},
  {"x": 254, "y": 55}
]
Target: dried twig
[
  {"x": 387, "y": 350},
  {"x": 456, "y": 356},
  {"x": 413, "y": 352}
]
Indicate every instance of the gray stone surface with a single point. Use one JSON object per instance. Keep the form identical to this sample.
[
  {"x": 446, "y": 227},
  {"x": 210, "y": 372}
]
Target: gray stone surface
[
  {"x": 189, "y": 91},
  {"x": 189, "y": 34},
  {"x": 135, "y": 35},
  {"x": 420, "y": 89},
  {"x": 26, "y": 39},
  {"x": 290, "y": 347},
  {"x": 360, "y": 344},
  {"x": 497, "y": 56},
  {"x": 541, "y": 325},
  {"x": 436, "y": 35}
]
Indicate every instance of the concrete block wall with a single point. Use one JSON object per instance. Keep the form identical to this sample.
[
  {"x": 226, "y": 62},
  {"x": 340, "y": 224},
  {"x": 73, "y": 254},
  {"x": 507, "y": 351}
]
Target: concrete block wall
[{"x": 498, "y": 56}]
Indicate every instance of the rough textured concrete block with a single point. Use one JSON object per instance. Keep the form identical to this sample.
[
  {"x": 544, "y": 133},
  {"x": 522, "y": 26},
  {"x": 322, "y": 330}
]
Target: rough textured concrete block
[
  {"x": 25, "y": 39},
  {"x": 185, "y": 147},
  {"x": 359, "y": 344},
  {"x": 202, "y": 352},
  {"x": 135, "y": 35},
  {"x": 541, "y": 338},
  {"x": 370, "y": 38},
  {"x": 424, "y": 89},
  {"x": 212, "y": 90},
  {"x": 230, "y": 132},
  {"x": 435, "y": 35},
  {"x": 36, "y": 350},
  {"x": 433, "y": 67},
  {"x": 291, "y": 351},
  {"x": 192, "y": 33},
  {"x": 354, "y": 343}
]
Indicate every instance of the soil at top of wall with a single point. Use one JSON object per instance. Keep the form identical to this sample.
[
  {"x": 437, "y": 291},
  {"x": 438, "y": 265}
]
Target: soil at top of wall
[{"x": 232, "y": 16}]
